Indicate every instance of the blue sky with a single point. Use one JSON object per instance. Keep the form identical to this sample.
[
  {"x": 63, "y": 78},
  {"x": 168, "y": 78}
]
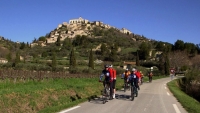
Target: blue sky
[{"x": 162, "y": 20}]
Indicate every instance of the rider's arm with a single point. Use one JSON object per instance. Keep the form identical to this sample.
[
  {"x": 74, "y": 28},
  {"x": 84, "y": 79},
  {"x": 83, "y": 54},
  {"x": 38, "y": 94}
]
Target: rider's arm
[
  {"x": 123, "y": 75},
  {"x": 101, "y": 76}
]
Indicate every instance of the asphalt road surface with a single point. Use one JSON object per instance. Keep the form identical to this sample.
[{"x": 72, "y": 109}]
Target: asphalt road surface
[{"x": 153, "y": 97}]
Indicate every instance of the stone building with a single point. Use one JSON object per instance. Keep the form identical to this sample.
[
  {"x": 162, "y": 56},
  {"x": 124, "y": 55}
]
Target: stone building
[
  {"x": 126, "y": 31},
  {"x": 78, "y": 21}
]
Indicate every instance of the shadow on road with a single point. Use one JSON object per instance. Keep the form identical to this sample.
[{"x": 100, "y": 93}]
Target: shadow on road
[{"x": 123, "y": 97}]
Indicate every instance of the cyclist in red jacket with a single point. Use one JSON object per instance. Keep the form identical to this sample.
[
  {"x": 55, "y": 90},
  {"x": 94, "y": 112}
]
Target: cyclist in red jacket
[
  {"x": 139, "y": 77},
  {"x": 114, "y": 79}
]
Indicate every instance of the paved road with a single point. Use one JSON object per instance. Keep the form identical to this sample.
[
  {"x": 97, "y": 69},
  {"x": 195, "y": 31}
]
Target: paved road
[{"x": 153, "y": 97}]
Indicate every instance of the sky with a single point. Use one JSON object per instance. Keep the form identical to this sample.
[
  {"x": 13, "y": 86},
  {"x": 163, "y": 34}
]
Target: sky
[{"x": 161, "y": 20}]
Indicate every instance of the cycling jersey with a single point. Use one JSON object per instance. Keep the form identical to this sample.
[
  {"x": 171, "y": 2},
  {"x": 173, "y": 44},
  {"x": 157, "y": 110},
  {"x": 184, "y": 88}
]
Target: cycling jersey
[
  {"x": 111, "y": 74},
  {"x": 126, "y": 74},
  {"x": 105, "y": 73},
  {"x": 138, "y": 74}
]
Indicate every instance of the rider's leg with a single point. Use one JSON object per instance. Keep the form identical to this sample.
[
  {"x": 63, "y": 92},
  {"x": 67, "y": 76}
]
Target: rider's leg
[
  {"x": 136, "y": 84},
  {"x": 111, "y": 90},
  {"x": 114, "y": 82}
]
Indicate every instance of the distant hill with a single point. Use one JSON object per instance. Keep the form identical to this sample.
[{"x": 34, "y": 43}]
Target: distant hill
[{"x": 80, "y": 26}]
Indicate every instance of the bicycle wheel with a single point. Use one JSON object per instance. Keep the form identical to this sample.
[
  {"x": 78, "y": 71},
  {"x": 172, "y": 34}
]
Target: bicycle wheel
[
  {"x": 107, "y": 92},
  {"x": 125, "y": 87},
  {"x": 132, "y": 93},
  {"x": 135, "y": 91}
]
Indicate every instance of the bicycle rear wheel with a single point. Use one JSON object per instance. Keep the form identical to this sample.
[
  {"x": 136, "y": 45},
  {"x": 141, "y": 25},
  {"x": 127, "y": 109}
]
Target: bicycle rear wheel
[
  {"x": 132, "y": 93},
  {"x": 125, "y": 87},
  {"x": 136, "y": 92}
]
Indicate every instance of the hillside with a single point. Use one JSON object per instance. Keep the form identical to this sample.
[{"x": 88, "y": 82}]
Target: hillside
[{"x": 108, "y": 43}]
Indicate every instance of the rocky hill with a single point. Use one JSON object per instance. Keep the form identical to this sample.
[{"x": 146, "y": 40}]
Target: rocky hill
[{"x": 81, "y": 27}]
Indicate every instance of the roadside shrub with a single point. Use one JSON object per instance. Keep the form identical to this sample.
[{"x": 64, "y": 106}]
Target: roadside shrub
[{"x": 190, "y": 84}]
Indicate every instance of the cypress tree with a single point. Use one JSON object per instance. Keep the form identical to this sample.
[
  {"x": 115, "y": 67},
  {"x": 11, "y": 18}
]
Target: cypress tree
[
  {"x": 91, "y": 60},
  {"x": 137, "y": 59},
  {"x": 72, "y": 58},
  {"x": 167, "y": 65},
  {"x": 54, "y": 63},
  {"x": 9, "y": 57},
  {"x": 17, "y": 59}
]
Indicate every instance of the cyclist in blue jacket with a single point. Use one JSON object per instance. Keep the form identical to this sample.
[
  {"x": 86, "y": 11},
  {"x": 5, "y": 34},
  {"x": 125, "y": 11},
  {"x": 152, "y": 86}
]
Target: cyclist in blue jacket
[{"x": 133, "y": 78}]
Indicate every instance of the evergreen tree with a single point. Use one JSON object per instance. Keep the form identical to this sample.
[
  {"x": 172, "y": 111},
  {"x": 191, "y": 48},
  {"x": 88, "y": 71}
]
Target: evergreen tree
[
  {"x": 91, "y": 60},
  {"x": 54, "y": 62},
  {"x": 137, "y": 59},
  {"x": 22, "y": 45},
  {"x": 72, "y": 59},
  {"x": 167, "y": 65},
  {"x": 58, "y": 42},
  {"x": 103, "y": 49},
  {"x": 161, "y": 64},
  {"x": 9, "y": 57},
  {"x": 113, "y": 54},
  {"x": 144, "y": 50},
  {"x": 17, "y": 59}
]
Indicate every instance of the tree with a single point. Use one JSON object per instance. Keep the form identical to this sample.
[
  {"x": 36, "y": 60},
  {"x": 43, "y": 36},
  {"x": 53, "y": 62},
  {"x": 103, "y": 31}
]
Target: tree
[
  {"x": 17, "y": 59},
  {"x": 42, "y": 38},
  {"x": 9, "y": 57},
  {"x": 113, "y": 53},
  {"x": 54, "y": 62},
  {"x": 22, "y": 45},
  {"x": 137, "y": 59},
  {"x": 72, "y": 59},
  {"x": 167, "y": 64},
  {"x": 67, "y": 44},
  {"x": 91, "y": 60},
  {"x": 144, "y": 50},
  {"x": 103, "y": 49},
  {"x": 58, "y": 42},
  {"x": 179, "y": 45}
]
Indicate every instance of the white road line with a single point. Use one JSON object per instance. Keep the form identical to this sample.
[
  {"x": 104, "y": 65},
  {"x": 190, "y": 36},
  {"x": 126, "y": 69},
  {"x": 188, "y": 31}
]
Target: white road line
[
  {"x": 165, "y": 88},
  {"x": 168, "y": 93},
  {"x": 69, "y": 109},
  {"x": 176, "y": 108}
]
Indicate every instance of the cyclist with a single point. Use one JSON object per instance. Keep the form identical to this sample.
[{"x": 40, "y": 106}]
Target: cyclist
[
  {"x": 125, "y": 75},
  {"x": 108, "y": 79},
  {"x": 133, "y": 78},
  {"x": 114, "y": 79},
  {"x": 150, "y": 74},
  {"x": 142, "y": 76},
  {"x": 138, "y": 77}
]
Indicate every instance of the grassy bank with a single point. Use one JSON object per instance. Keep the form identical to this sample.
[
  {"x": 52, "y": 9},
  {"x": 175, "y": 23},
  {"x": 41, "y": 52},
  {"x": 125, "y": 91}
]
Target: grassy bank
[
  {"x": 48, "y": 95},
  {"x": 189, "y": 103}
]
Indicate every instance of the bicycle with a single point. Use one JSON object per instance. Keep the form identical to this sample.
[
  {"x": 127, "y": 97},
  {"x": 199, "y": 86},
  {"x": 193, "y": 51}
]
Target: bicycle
[
  {"x": 126, "y": 85},
  {"x": 134, "y": 92},
  {"x": 106, "y": 93}
]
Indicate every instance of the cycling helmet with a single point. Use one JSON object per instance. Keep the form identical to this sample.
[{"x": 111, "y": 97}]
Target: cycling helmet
[
  {"x": 106, "y": 65},
  {"x": 133, "y": 69},
  {"x": 111, "y": 66},
  {"x": 126, "y": 69}
]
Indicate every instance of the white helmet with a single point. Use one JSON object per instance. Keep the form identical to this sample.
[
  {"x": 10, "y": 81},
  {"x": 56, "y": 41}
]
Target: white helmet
[
  {"x": 133, "y": 69},
  {"x": 111, "y": 66}
]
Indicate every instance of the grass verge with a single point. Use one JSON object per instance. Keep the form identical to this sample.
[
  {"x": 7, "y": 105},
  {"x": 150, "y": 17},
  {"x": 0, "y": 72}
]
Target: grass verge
[
  {"x": 50, "y": 95},
  {"x": 189, "y": 103}
]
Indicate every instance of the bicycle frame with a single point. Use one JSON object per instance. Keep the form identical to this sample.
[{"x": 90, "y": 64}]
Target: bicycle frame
[
  {"x": 106, "y": 93},
  {"x": 133, "y": 91}
]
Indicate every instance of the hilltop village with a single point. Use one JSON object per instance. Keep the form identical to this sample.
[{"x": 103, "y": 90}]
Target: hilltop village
[{"x": 75, "y": 27}]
